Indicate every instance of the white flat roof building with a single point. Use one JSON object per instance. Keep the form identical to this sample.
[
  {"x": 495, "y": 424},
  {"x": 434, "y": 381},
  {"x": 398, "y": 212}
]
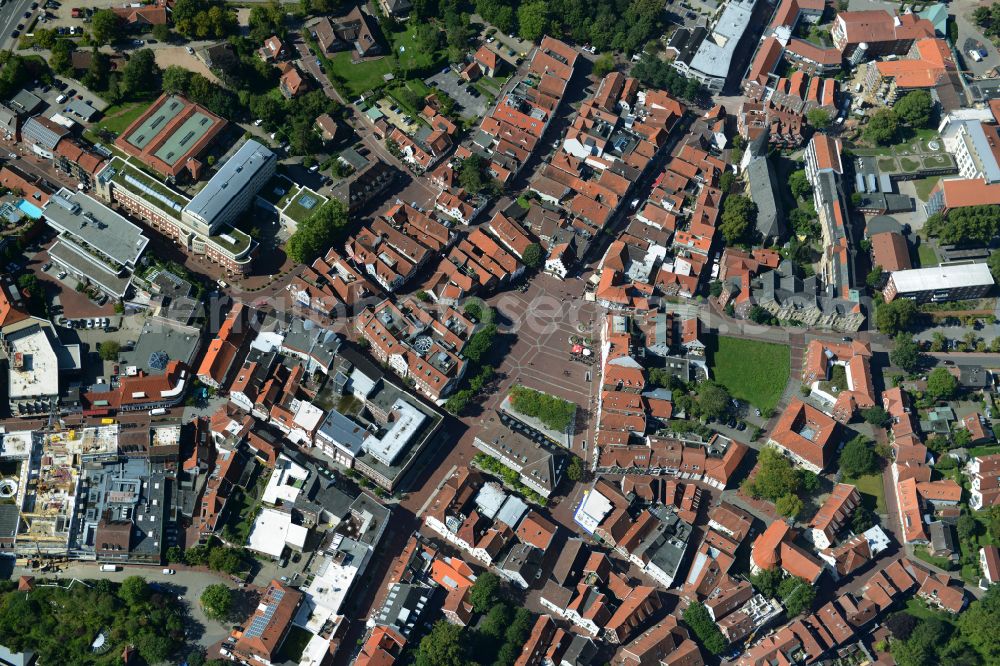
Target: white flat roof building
[
  {"x": 33, "y": 365},
  {"x": 592, "y": 510},
  {"x": 273, "y": 530},
  {"x": 945, "y": 277},
  {"x": 16, "y": 445},
  {"x": 285, "y": 482},
  {"x": 390, "y": 446}
]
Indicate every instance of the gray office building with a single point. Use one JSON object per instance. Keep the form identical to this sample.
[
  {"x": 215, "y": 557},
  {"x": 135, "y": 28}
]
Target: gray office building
[{"x": 231, "y": 190}]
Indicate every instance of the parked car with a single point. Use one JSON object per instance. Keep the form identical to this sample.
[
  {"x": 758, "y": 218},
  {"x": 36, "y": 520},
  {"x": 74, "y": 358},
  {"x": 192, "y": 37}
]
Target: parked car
[
  {"x": 189, "y": 50},
  {"x": 169, "y": 572}
]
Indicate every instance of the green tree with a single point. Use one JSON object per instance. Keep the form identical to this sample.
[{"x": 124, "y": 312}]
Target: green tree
[
  {"x": 966, "y": 527},
  {"x": 797, "y": 595},
  {"x": 162, "y": 32},
  {"x": 141, "y": 75},
  {"x": 979, "y": 623},
  {"x": 98, "y": 72},
  {"x": 574, "y": 471},
  {"x": 882, "y": 127},
  {"x": 994, "y": 263},
  {"x": 443, "y": 646},
  {"x": 857, "y": 458},
  {"x": 941, "y": 384},
  {"x": 473, "y": 175},
  {"x": 862, "y": 519},
  {"x": 775, "y": 477},
  {"x": 798, "y": 182},
  {"x": 766, "y": 581},
  {"x": 534, "y": 255},
  {"x": 726, "y": 181},
  {"x": 61, "y": 57},
  {"x": 906, "y": 353},
  {"x": 266, "y": 20},
  {"x": 134, "y": 590},
  {"x": 697, "y": 618},
  {"x": 818, "y": 118},
  {"x": 496, "y": 621},
  {"x": 877, "y": 416},
  {"x": 484, "y": 592},
  {"x": 739, "y": 215},
  {"x": 176, "y": 79},
  {"x": 915, "y": 108},
  {"x": 970, "y": 224},
  {"x": 604, "y": 65},
  {"x": 874, "y": 277},
  {"x": 554, "y": 412},
  {"x": 533, "y": 20},
  {"x": 713, "y": 399},
  {"x": 519, "y": 629},
  {"x": 895, "y": 316},
  {"x": 105, "y": 27},
  {"x": 480, "y": 343},
  {"x": 109, "y": 350},
  {"x": 458, "y": 402},
  {"x": 225, "y": 559},
  {"x": 789, "y": 505},
  {"x": 217, "y": 601},
  {"x": 318, "y": 232}
]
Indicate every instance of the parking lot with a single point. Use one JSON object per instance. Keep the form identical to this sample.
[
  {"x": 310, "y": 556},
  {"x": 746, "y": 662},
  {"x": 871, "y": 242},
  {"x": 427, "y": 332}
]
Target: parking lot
[
  {"x": 471, "y": 101},
  {"x": 396, "y": 116}
]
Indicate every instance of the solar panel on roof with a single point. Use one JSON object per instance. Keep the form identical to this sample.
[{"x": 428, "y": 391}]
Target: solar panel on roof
[{"x": 307, "y": 201}]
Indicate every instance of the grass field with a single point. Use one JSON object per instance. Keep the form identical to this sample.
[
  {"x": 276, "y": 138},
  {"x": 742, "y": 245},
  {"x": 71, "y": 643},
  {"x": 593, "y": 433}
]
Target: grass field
[
  {"x": 924, "y": 186},
  {"x": 118, "y": 117},
  {"x": 753, "y": 371},
  {"x": 361, "y": 76},
  {"x": 412, "y": 56},
  {"x": 927, "y": 256},
  {"x": 872, "y": 491},
  {"x": 984, "y": 450},
  {"x": 919, "y": 609},
  {"x": 942, "y": 562}
]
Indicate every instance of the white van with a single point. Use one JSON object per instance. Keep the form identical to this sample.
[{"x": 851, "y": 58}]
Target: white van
[
  {"x": 157, "y": 412},
  {"x": 62, "y": 98},
  {"x": 110, "y": 567}
]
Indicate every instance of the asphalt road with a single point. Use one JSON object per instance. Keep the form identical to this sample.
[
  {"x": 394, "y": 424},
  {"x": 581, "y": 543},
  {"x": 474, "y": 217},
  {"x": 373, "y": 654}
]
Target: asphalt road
[{"x": 10, "y": 14}]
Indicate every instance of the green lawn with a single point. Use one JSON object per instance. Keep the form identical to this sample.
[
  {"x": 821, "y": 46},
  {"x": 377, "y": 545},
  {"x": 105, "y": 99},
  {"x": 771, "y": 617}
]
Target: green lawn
[
  {"x": 887, "y": 164},
  {"x": 942, "y": 562},
  {"x": 295, "y": 643},
  {"x": 925, "y": 185},
  {"x": 753, "y": 371},
  {"x": 413, "y": 56},
  {"x": 361, "y": 76},
  {"x": 299, "y": 212},
  {"x": 919, "y": 609},
  {"x": 927, "y": 256},
  {"x": 872, "y": 491},
  {"x": 119, "y": 116},
  {"x": 908, "y": 164},
  {"x": 984, "y": 450}
]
